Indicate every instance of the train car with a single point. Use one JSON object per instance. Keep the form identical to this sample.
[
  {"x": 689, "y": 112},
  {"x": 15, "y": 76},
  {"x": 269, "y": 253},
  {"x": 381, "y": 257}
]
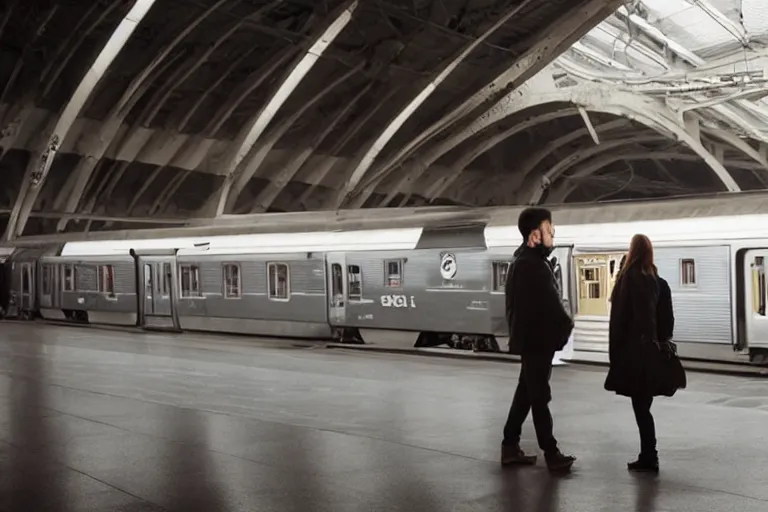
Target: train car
[
  {"x": 103, "y": 282},
  {"x": 24, "y": 282},
  {"x": 6, "y": 268},
  {"x": 714, "y": 267},
  {"x": 406, "y": 287},
  {"x": 271, "y": 285},
  {"x": 431, "y": 293},
  {"x": 96, "y": 289},
  {"x": 236, "y": 291}
]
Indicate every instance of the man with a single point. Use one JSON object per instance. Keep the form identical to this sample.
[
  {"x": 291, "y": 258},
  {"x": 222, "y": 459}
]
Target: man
[{"x": 539, "y": 326}]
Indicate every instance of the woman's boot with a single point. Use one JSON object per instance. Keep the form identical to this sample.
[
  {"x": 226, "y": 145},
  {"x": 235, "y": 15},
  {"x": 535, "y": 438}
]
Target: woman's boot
[{"x": 645, "y": 463}]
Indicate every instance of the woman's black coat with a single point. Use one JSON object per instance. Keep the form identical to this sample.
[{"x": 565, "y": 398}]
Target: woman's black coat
[
  {"x": 665, "y": 314},
  {"x": 633, "y": 329}
]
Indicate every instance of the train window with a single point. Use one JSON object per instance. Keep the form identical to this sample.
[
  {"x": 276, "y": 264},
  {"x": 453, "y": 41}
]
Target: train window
[
  {"x": 355, "y": 281},
  {"x": 70, "y": 278},
  {"x": 337, "y": 281},
  {"x": 106, "y": 277},
  {"x": 758, "y": 286},
  {"x": 166, "y": 282},
  {"x": 232, "y": 286},
  {"x": 687, "y": 272},
  {"x": 190, "y": 281},
  {"x": 278, "y": 284},
  {"x": 393, "y": 273},
  {"x": 500, "y": 269},
  {"x": 590, "y": 279},
  {"x": 47, "y": 280},
  {"x": 26, "y": 278}
]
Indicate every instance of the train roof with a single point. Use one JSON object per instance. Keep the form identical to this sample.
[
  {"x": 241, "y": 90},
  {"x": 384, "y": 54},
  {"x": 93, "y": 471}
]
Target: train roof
[
  {"x": 324, "y": 241},
  {"x": 692, "y": 230},
  {"x": 618, "y": 234},
  {"x": 715, "y": 205},
  {"x": 718, "y": 217}
]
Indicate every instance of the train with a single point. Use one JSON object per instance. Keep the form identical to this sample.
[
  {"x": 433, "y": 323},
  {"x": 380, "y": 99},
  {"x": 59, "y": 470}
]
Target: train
[{"x": 409, "y": 287}]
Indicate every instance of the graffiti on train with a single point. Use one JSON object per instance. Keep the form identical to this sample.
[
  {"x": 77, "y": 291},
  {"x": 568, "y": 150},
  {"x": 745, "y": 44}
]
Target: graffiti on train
[{"x": 398, "y": 301}]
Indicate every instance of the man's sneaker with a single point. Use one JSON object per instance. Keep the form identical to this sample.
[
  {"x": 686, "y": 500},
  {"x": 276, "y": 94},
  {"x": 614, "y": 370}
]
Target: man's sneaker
[
  {"x": 512, "y": 454},
  {"x": 556, "y": 461},
  {"x": 644, "y": 464}
]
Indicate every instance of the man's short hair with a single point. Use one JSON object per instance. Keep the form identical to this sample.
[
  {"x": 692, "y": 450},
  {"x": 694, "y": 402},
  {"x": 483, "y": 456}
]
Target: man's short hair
[{"x": 531, "y": 218}]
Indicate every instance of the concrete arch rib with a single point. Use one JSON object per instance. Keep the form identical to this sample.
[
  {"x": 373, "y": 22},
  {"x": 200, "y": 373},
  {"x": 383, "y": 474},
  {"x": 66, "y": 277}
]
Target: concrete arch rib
[
  {"x": 484, "y": 145},
  {"x": 738, "y": 143},
  {"x": 530, "y": 163},
  {"x": 517, "y": 102},
  {"x": 581, "y": 155},
  {"x": 40, "y": 163},
  {"x": 642, "y": 109},
  {"x": 72, "y": 193},
  {"x": 646, "y": 111},
  {"x": 442, "y": 184},
  {"x": 366, "y": 161},
  {"x": 254, "y": 129},
  {"x": 564, "y": 32},
  {"x": 565, "y": 188}
]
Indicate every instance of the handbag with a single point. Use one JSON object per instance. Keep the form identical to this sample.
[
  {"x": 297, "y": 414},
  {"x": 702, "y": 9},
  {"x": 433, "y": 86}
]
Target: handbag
[{"x": 668, "y": 374}]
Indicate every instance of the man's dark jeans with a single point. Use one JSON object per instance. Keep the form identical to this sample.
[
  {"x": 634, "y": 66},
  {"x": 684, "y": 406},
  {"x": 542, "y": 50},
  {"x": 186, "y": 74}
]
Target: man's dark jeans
[{"x": 533, "y": 394}]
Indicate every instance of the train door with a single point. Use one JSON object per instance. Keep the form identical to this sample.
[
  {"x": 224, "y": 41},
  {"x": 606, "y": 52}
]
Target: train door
[
  {"x": 756, "y": 295},
  {"x": 596, "y": 275},
  {"x": 337, "y": 288},
  {"x": 561, "y": 267},
  {"x": 157, "y": 287},
  {"x": 46, "y": 285},
  {"x": 27, "y": 296},
  {"x": 157, "y": 291}
]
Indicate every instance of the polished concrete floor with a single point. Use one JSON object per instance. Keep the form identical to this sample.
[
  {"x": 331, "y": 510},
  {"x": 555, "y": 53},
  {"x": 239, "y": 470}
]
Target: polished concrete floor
[{"x": 94, "y": 420}]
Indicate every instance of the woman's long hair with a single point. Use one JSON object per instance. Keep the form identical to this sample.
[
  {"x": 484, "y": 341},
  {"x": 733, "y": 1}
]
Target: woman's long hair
[{"x": 640, "y": 256}]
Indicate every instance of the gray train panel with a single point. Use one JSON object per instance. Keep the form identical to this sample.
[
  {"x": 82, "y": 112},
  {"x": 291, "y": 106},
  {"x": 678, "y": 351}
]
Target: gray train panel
[
  {"x": 406, "y": 290},
  {"x": 453, "y": 237},
  {"x": 700, "y": 280},
  {"x": 114, "y": 292},
  {"x": 23, "y": 280},
  {"x": 498, "y": 262},
  {"x": 253, "y": 301}
]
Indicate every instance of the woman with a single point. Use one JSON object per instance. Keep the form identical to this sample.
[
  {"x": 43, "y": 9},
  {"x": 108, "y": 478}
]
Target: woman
[{"x": 632, "y": 337}]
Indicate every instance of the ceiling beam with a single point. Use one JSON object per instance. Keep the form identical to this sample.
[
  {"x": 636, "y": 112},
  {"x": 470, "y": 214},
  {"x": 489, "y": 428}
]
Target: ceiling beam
[
  {"x": 95, "y": 147},
  {"x": 253, "y": 130},
  {"x": 547, "y": 46},
  {"x": 372, "y": 152},
  {"x": 482, "y": 145},
  {"x": 41, "y": 160}
]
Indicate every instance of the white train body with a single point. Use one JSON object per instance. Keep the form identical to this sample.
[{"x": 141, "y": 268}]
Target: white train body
[{"x": 387, "y": 286}]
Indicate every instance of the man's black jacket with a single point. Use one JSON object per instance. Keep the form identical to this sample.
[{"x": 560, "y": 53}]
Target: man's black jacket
[{"x": 536, "y": 316}]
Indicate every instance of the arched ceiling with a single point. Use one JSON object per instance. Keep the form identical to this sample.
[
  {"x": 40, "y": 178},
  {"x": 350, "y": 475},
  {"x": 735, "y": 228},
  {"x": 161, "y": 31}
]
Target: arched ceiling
[
  {"x": 121, "y": 113},
  {"x": 691, "y": 70}
]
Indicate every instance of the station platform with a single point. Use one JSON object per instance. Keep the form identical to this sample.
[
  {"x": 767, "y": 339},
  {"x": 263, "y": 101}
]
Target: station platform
[{"x": 94, "y": 420}]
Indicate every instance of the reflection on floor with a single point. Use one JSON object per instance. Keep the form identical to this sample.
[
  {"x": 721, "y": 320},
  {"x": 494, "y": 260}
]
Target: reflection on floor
[{"x": 102, "y": 421}]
